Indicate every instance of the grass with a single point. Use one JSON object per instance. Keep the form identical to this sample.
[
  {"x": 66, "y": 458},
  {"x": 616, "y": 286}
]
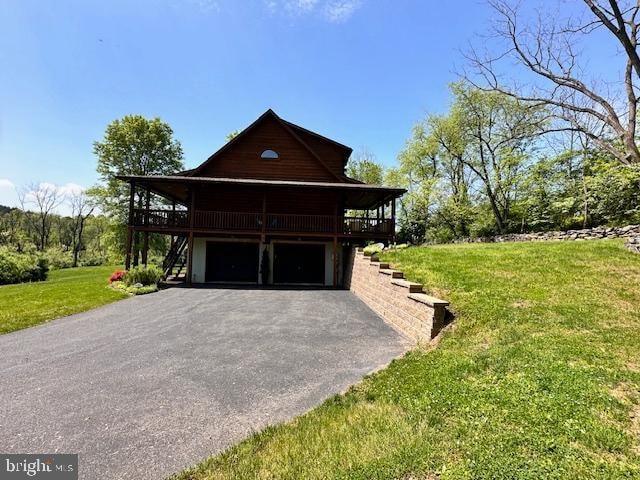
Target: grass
[
  {"x": 539, "y": 379},
  {"x": 66, "y": 291}
]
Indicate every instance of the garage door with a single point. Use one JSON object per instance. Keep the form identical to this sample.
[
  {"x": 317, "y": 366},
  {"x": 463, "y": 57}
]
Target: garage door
[
  {"x": 232, "y": 262},
  {"x": 298, "y": 263}
]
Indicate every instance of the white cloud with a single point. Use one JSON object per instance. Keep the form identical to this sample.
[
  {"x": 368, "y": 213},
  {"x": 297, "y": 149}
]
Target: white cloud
[
  {"x": 69, "y": 189},
  {"x": 341, "y": 10},
  {"x": 6, "y": 183},
  {"x": 335, "y": 11}
]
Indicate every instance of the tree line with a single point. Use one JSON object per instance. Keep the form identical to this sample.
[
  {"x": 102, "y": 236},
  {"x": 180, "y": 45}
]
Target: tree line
[{"x": 557, "y": 150}]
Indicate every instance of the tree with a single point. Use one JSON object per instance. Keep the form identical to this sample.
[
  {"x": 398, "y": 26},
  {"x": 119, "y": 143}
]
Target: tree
[
  {"x": 81, "y": 208},
  {"x": 499, "y": 134},
  {"x": 549, "y": 50},
  {"x": 231, "y": 135},
  {"x": 39, "y": 201},
  {"x": 364, "y": 166},
  {"x": 469, "y": 160},
  {"x": 133, "y": 145}
]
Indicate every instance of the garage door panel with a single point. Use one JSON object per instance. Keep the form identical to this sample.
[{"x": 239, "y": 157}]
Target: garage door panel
[
  {"x": 298, "y": 263},
  {"x": 232, "y": 262}
]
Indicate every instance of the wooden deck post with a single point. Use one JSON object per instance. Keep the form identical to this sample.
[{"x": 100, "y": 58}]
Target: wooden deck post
[
  {"x": 335, "y": 247},
  {"x": 132, "y": 191},
  {"x": 190, "y": 258},
  {"x": 393, "y": 220},
  {"x": 173, "y": 218},
  {"x": 263, "y": 236},
  {"x": 145, "y": 241},
  {"x": 192, "y": 212},
  {"x": 335, "y": 262}
]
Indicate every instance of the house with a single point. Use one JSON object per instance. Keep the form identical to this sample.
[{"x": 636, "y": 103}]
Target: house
[{"x": 272, "y": 206}]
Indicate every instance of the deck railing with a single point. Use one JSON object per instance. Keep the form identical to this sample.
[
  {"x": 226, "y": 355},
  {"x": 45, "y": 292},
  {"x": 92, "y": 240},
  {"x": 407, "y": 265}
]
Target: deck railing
[{"x": 253, "y": 222}]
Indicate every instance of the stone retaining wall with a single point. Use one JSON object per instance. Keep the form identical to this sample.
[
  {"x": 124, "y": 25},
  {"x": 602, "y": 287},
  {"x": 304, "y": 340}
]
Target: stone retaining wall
[
  {"x": 584, "y": 234},
  {"x": 633, "y": 244},
  {"x": 401, "y": 303}
]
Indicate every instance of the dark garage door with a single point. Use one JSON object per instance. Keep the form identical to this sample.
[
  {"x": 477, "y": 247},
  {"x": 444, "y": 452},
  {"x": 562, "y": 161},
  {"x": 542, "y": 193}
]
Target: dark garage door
[
  {"x": 298, "y": 263},
  {"x": 232, "y": 262}
]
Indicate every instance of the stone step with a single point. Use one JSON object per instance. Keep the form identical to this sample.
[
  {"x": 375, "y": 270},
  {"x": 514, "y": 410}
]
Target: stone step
[
  {"x": 412, "y": 286},
  {"x": 393, "y": 273},
  {"x": 428, "y": 300}
]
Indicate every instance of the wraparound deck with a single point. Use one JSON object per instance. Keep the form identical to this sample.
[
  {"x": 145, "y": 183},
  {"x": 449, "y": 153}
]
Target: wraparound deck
[{"x": 262, "y": 223}]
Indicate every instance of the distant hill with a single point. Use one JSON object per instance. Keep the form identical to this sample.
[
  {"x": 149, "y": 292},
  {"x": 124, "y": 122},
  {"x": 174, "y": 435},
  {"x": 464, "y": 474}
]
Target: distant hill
[{"x": 4, "y": 209}]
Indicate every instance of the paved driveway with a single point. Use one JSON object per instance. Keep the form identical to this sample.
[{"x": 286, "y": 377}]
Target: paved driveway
[{"x": 147, "y": 386}]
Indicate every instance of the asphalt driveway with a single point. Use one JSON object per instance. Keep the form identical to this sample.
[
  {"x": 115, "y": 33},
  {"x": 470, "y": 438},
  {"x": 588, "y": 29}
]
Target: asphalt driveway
[{"x": 149, "y": 385}]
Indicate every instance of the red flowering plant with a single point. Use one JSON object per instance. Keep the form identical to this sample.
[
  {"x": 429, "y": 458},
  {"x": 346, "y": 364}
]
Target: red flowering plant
[{"x": 117, "y": 276}]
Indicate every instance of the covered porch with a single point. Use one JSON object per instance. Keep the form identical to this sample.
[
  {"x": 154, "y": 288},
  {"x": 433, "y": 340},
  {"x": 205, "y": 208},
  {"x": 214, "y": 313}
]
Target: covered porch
[{"x": 187, "y": 207}]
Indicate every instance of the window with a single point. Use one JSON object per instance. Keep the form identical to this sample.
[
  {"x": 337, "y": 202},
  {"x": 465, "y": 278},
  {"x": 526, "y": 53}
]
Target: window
[{"x": 269, "y": 155}]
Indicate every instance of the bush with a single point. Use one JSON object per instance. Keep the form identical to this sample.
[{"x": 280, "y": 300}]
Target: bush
[
  {"x": 149, "y": 275},
  {"x": 58, "y": 258},
  {"x": 373, "y": 249},
  {"x": 21, "y": 267},
  {"x": 92, "y": 260},
  {"x": 132, "y": 290},
  {"x": 117, "y": 276}
]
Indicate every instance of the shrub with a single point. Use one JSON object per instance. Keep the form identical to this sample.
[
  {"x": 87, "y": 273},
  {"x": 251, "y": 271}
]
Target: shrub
[
  {"x": 58, "y": 258},
  {"x": 132, "y": 290},
  {"x": 149, "y": 275},
  {"x": 373, "y": 249},
  {"x": 21, "y": 267},
  {"x": 89, "y": 260},
  {"x": 117, "y": 276}
]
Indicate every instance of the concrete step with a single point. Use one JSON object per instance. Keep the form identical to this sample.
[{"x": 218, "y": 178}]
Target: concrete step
[
  {"x": 428, "y": 300},
  {"x": 412, "y": 286},
  {"x": 393, "y": 273}
]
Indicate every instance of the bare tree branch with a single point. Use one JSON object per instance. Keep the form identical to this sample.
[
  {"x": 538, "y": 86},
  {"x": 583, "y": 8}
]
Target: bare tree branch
[{"x": 548, "y": 50}]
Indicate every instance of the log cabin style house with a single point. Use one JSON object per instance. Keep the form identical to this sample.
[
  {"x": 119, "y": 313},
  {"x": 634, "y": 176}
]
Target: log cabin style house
[{"x": 272, "y": 206}]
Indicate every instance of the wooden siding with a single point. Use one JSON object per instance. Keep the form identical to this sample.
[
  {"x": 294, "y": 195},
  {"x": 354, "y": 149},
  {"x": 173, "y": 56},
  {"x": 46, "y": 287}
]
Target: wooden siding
[
  {"x": 294, "y": 201},
  {"x": 331, "y": 154},
  {"x": 242, "y": 159}
]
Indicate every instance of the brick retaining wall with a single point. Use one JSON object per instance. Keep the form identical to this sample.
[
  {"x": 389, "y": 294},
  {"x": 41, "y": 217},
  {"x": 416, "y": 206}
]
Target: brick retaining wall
[{"x": 400, "y": 303}]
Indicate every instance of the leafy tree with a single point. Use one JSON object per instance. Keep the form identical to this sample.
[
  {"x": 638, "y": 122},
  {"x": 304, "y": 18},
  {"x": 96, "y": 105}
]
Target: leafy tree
[
  {"x": 476, "y": 153},
  {"x": 231, "y": 135},
  {"x": 364, "y": 166},
  {"x": 133, "y": 145},
  {"x": 81, "y": 208}
]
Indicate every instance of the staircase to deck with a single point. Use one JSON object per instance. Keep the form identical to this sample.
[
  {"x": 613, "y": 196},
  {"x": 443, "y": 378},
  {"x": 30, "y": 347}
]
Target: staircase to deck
[{"x": 175, "y": 258}]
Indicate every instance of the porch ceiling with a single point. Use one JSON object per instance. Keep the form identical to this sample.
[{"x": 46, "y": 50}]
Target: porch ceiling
[{"x": 357, "y": 196}]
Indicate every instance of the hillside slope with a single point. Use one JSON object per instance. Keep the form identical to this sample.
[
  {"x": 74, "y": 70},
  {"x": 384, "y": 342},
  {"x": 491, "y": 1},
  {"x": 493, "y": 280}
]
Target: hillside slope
[{"x": 539, "y": 378}]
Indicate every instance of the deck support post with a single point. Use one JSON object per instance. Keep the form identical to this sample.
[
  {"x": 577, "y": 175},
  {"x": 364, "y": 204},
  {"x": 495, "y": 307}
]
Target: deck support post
[
  {"x": 190, "y": 258},
  {"x": 132, "y": 191},
  {"x": 263, "y": 236},
  {"x": 336, "y": 230},
  {"x": 145, "y": 241},
  {"x": 393, "y": 220},
  {"x": 173, "y": 218},
  {"x": 192, "y": 211},
  {"x": 335, "y": 261}
]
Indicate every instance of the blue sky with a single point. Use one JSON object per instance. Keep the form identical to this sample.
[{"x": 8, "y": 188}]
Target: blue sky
[{"x": 359, "y": 71}]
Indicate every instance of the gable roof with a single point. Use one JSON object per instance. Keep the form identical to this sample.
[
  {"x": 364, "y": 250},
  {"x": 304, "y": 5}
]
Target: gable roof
[{"x": 294, "y": 130}]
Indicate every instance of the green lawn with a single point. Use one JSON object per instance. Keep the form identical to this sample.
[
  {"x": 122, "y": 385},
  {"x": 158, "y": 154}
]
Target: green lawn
[
  {"x": 66, "y": 291},
  {"x": 539, "y": 379}
]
